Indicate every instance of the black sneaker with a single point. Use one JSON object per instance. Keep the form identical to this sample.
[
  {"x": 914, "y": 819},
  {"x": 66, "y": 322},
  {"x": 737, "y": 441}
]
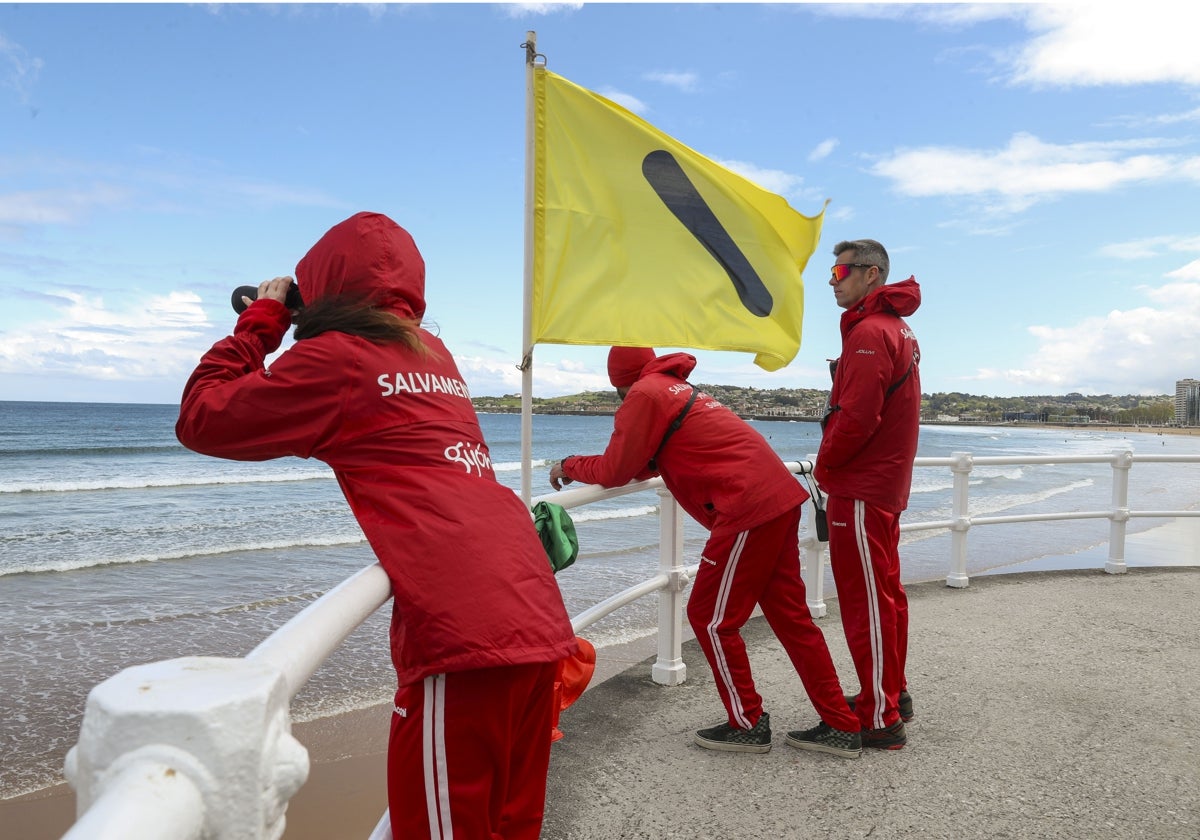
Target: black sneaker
[
  {"x": 906, "y": 706},
  {"x": 889, "y": 738},
  {"x": 732, "y": 739},
  {"x": 824, "y": 738}
]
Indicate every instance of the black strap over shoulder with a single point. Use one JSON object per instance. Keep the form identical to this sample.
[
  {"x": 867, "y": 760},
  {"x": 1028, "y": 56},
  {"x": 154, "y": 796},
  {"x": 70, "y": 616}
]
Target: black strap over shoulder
[
  {"x": 891, "y": 388},
  {"x": 829, "y": 409},
  {"x": 673, "y": 428}
]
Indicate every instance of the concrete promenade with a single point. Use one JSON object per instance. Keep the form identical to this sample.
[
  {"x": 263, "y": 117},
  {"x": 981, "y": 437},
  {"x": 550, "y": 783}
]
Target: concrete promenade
[{"x": 1048, "y": 705}]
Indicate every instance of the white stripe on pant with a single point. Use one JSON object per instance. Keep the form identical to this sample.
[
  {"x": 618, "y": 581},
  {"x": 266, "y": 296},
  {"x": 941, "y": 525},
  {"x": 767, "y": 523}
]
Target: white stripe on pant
[
  {"x": 437, "y": 785},
  {"x": 868, "y": 569},
  {"x": 735, "y": 700}
]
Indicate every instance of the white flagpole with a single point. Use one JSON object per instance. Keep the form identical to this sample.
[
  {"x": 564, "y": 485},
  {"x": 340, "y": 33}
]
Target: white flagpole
[{"x": 530, "y": 46}]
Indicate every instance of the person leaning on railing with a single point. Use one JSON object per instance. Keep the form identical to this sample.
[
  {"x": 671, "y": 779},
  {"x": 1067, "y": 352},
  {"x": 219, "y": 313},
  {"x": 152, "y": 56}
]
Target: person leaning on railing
[
  {"x": 730, "y": 480},
  {"x": 478, "y": 623}
]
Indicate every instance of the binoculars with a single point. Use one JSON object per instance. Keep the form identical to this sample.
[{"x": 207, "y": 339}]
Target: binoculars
[{"x": 293, "y": 302}]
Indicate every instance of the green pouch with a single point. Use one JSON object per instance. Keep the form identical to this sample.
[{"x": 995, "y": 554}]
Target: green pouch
[{"x": 557, "y": 531}]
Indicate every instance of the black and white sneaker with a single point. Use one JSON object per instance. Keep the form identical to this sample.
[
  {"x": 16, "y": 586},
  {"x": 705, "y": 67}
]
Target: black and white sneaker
[
  {"x": 824, "y": 738},
  {"x": 733, "y": 739}
]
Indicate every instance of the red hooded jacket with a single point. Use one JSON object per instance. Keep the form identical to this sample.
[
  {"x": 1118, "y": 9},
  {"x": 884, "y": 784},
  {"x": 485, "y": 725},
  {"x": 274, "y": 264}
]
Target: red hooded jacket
[
  {"x": 472, "y": 585},
  {"x": 870, "y": 436},
  {"x": 722, "y": 471}
]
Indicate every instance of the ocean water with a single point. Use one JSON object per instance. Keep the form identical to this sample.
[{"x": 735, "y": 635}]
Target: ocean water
[{"x": 119, "y": 547}]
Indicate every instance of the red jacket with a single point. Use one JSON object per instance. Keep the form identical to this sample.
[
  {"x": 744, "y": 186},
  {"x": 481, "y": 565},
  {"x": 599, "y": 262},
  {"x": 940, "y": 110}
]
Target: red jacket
[
  {"x": 722, "y": 471},
  {"x": 473, "y": 587},
  {"x": 870, "y": 436}
]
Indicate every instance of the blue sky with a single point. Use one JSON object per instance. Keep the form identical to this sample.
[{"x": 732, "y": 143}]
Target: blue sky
[{"x": 1037, "y": 167}]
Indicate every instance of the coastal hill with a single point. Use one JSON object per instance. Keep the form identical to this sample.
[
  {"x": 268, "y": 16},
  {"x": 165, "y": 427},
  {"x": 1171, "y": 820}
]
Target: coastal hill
[{"x": 809, "y": 404}]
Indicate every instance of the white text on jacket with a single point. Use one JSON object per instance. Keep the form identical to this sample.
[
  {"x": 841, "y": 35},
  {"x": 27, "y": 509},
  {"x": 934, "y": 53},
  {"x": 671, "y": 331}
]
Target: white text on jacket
[
  {"x": 421, "y": 383},
  {"x": 474, "y": 457}
]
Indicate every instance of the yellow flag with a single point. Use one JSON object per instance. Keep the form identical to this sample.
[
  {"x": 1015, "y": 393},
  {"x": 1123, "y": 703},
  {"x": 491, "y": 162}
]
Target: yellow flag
[{"x": 641, "y": 241}]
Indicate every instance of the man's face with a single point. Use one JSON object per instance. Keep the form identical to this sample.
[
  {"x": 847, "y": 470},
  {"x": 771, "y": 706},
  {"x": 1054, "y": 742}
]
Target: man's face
[
  {"x": 622, "y": 393},
  {"x": 857, "y": 281}
]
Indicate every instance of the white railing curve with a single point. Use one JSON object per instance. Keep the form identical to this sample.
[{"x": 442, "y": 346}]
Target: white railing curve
[{"x": 201, "y": 747}]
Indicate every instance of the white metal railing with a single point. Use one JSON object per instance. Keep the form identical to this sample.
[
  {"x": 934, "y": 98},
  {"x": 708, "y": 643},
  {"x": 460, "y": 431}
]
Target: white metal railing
[{"x": 202, "y": 746}]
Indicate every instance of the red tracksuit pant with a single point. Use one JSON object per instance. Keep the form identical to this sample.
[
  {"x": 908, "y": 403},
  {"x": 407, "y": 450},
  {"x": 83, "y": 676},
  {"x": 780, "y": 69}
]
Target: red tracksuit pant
[
  {"x": 469, "y": 752},
  {"x": 865, "y": 558},
  {"x": 761, "y": 566}
]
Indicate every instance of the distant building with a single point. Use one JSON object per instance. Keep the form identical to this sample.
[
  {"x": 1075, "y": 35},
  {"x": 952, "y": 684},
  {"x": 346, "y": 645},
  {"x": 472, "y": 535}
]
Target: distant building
[{"x": 1187, "y": 402}]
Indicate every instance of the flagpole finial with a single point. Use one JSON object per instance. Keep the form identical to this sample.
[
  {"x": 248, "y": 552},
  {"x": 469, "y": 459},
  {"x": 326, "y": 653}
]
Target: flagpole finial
[{"x": 530, "y": 47}]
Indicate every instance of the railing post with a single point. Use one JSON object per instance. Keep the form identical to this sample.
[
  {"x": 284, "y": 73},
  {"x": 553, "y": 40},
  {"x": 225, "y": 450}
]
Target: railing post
[
  {"x": 1122, "y": 461},
  {"x": 961, "y": 468},
  {"x": 812, "y": 559},
  {"x": 669, "y": 668},
  {"x": 206, "y": 739}
]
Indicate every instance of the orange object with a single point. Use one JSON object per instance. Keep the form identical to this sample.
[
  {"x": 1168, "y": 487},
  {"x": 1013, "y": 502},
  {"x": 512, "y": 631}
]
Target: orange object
[{"x": 574, "y": 674}]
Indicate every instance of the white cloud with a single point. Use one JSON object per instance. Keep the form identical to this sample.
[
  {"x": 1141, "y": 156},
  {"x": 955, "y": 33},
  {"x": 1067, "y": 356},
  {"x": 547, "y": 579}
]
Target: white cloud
[
  {"x": 18, "y": 72},
  {"x": 1082, "y": 43},
  {"x": 1136, "y": 351},
  {"x": 519, "y": 10},
  {"x": 687, "y": 82},
  {"x": 155, "y": 336},
  {"x": 1153, "y": 246},
  {"x": 1138, "y": 249},
  {"x": 78, "y": 189},
  {"x": 1135, "y": 121},
  {"x": 823, "y": 150},
  {"x": 1191, "y": 271},
  {"x": 1107, "y": 43},
  {"x": 59, "y": 206},
  {"x": 841, "y": 213},
  {"x": 625, "y": 100},
  {"x": 772, "y": 180},
  {"x": 551, "y": 378},
  {"x": 1028, "y": 170}
]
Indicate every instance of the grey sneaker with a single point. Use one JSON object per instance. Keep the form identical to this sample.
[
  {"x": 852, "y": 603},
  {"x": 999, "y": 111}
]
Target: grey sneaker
[
  {"x": 732, "y": 739},
  {"x": 824, "y": 738},
  {"x": 906, "y": 705}
]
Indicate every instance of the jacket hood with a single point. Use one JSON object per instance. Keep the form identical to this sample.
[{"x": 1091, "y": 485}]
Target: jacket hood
[
  {"x": 625, "y": 364},
  {"x": 901, "y": 298},
  {"x": 675, "y": 364},
  {"x": 367, "y": 256}
]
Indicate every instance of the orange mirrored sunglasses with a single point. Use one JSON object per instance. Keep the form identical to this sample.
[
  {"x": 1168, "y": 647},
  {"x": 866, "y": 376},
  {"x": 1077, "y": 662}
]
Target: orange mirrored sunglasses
[{"x": 842, "y": 270}]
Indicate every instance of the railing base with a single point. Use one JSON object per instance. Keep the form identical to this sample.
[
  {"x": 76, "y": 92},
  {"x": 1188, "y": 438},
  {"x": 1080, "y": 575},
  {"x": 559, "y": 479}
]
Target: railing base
[{"x": 674, "y": 673}]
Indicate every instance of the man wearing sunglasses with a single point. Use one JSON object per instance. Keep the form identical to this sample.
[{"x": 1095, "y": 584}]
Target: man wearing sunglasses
[{"x": 865, "y": 461}]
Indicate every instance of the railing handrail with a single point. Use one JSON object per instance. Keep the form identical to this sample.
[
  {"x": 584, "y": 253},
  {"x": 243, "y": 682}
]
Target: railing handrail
[
  {"x": 302, "y": 644},
  {"x": 134, "y": 780}
]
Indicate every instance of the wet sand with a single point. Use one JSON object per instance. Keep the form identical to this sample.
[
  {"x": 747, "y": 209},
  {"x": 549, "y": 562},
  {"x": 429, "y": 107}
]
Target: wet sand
[{"x": 344, "y": 797}]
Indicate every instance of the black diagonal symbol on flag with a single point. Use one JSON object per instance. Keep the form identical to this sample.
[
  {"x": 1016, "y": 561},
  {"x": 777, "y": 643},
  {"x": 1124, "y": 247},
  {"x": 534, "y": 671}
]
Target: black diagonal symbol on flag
[{"x": 672, "y": 185}]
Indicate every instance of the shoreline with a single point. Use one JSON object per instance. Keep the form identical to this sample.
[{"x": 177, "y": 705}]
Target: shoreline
[{"x": 348, "y": 754}]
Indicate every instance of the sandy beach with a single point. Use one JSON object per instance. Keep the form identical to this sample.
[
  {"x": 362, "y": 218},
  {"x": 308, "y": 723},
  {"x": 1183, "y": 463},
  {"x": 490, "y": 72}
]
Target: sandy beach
[
  {"x": 1139, "y": 430},
  {"x": 344, "y": 797}
]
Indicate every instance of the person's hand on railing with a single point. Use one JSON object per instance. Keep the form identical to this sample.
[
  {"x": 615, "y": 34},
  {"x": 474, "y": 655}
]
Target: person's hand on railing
[{"x": 557, "y": 479}]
